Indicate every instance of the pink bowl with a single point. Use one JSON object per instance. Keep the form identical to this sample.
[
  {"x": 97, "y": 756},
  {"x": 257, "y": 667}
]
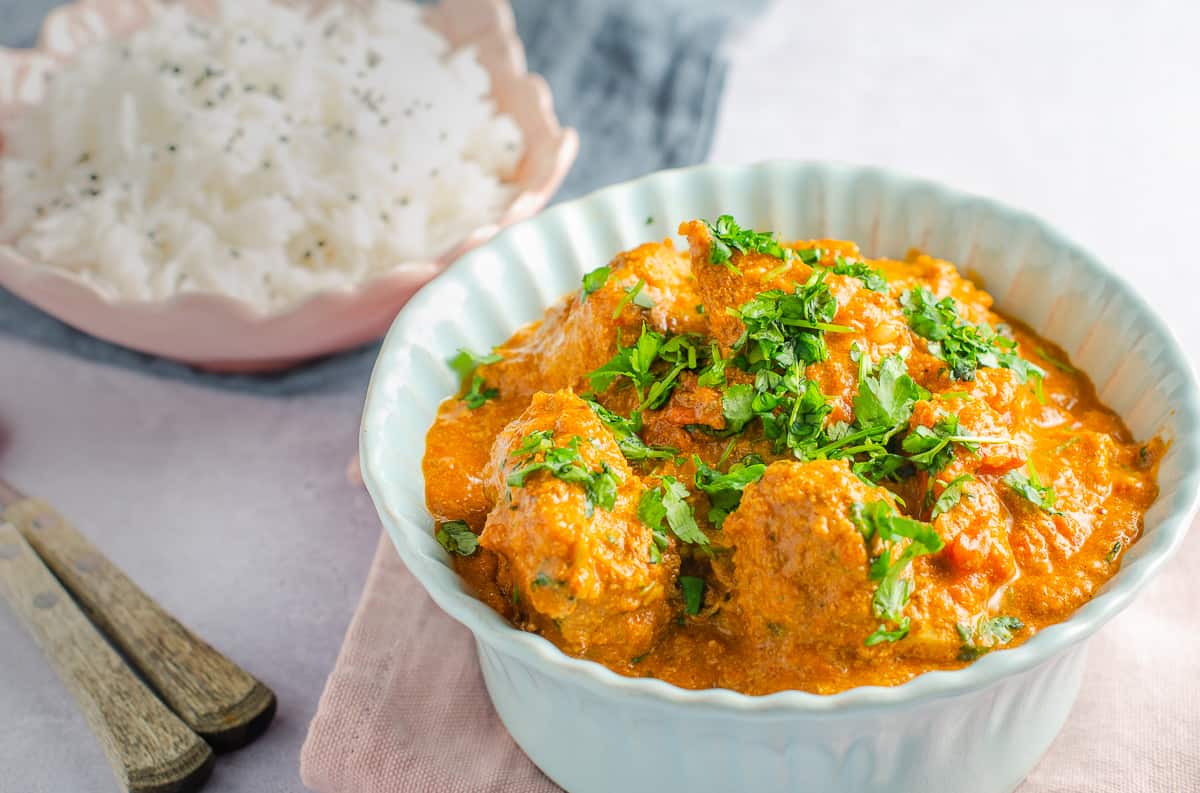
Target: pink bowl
[{"x": 226, "y": 334}]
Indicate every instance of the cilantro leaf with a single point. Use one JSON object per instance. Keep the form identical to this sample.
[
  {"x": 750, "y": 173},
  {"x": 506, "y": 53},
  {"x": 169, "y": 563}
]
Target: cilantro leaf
[
  {"x": 564, "y": 462},
  {"x": 595, "y": 280},
  {"x": 457, "y": 538},
  {"x": 882, "y": 634},
  {"x": 871, "y": 278},
  {"x": 724, "y": 491},
  {"x": 1030, "y": 486},
  {"x": 728, "y": 236},
  {"x": 625, "y": 432},
  {"x": 965, "y": 347},
  {"x": 986, "y": 635},
  {"x": 879, "y": 520},
  {"x": 881, "y": 464},
  {"x": 478, "y": 393},
  {"x": 713, "y": 374},
  {"x": 932, "y": 448},
  {"x": 535, "y": 442},
  {"x": 693, "y": 593},
  {"x": 786, "y": 328},
  {"x": 950, "y": 496},
  {"x": 737, "y": 404},
  {"x": 886, "y": 398},
  {"x": 465, "y": 362},
  {"x": 637, "y": 363},
  {"x": 882, "y": 408},
  {"x": 602, "y": 489},
  {"x": 668, "y": 502},
  {"x": 653, "y": 513}
]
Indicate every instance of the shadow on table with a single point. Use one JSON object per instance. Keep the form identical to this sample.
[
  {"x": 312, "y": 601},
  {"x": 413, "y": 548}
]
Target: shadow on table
[{"x": 334, "y": 374}]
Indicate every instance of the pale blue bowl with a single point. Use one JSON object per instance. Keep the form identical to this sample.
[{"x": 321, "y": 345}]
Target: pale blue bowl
[{"x": 981, "y": 728}]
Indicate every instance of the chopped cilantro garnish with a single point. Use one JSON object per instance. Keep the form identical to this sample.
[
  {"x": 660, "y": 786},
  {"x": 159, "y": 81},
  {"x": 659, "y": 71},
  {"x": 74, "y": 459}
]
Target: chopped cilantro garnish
[
  {"x": 784, "y": 332},
  {"x": 625, "y": 431},
  {"x": 479, "y": 393},
  {"x": 728, "y": 236},
  {"x": 950, "y": 496},
  {"x": 1030, "y": 486},
  {"x": 465, "y": 362},
  {"x": 668, "y": 502},
  {"x": 457, "y": 538},
  {"x": 595, "y": 280},
  {"x": 564, "y": 462},
  {"x": 541, "y": 580},
  {"x": 792, "y": 411},
  {"x": 693, "y": 593},
  {"x": 885, "y": 399},
  {"x": 783, "y": 329},
  {"x": 871, "y": 278},
  {"x": 737, "y": 405},
  {"x": 880, "y": 520},
  {"x": 714, "y": 373},
  {"x": 932, "y": 448},
  {"x": 965, "y": 347},
  {"x": 725, "y": 490},
  {"x": 882, "y": 408},
  {"x": 649, "y": 219},
  {"x": 637, "y": 364},
  {"x": 986, "y": 635}
]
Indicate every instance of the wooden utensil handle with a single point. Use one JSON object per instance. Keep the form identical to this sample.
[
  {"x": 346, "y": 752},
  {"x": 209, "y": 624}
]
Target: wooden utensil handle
[
  {"x": 213, "y": 695},
  {"x": 150, "y": 749}
]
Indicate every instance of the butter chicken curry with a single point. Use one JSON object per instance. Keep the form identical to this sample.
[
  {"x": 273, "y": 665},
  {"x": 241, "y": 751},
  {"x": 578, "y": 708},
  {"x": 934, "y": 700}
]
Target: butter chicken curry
[{"x": 761, "y": 466}]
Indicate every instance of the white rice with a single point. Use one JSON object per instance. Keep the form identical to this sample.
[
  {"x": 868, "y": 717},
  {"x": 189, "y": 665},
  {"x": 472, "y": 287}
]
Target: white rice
[{"x": 260, "y": 154}]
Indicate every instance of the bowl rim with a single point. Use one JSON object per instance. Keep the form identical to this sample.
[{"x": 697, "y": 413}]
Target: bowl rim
[
  {"x": 499, "y": 635},
  {"x": 525, "y": 201}
]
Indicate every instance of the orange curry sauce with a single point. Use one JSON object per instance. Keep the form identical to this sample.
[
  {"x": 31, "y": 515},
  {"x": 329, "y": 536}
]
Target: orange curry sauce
[{"x": 817, "y": 579}]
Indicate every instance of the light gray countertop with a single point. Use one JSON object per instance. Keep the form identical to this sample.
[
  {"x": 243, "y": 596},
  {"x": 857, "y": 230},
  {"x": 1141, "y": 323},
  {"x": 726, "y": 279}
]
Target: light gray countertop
[{"x": 231, "y": 509}]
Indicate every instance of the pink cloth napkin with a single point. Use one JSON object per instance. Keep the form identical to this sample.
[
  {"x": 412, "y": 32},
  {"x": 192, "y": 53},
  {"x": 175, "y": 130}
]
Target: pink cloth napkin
[{"x": 405, "y": 708}]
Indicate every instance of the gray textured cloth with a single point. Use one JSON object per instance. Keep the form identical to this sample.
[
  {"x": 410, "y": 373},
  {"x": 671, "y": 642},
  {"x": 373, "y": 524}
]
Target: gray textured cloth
[{"x": 224, "y": 496}]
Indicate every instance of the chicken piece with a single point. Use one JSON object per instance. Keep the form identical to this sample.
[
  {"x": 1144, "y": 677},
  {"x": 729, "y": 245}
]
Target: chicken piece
[
  {"x": 957, "y": 585},
  {"x": 800, "y": 573},
  {"x": 576, "y": 336},
  {"x": 577, "y": 567},
  {"x": 877, "y": 328},
  {"x": 1081, "y": 472},
  {"x": 976, "y": 420},
  {"x": 581, "y": 333},
  {"x": 721, "y": 287},
  {"x": 941, "y": 278}
]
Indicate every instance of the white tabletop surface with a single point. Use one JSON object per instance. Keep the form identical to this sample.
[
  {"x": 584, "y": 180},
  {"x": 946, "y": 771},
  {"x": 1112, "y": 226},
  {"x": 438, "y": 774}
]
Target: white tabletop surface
[{"x": 232, "y": 508}]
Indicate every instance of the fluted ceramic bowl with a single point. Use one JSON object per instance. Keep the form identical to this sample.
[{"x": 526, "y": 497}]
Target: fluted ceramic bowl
[
  {"x": 222, "y": 332},
  {"x": 978, "y": 729}
]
